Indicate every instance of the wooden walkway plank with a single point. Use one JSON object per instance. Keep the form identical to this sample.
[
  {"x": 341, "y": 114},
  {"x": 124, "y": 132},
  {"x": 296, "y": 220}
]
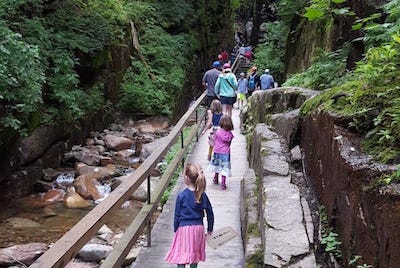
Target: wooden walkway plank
[{"x": 226, "y": 206}]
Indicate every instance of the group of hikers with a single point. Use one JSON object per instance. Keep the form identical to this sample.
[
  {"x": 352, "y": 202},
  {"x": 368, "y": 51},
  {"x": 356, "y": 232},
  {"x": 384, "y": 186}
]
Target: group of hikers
[
  {"x": 236, "y": 89},
  {"x": 223, "y": 89}
]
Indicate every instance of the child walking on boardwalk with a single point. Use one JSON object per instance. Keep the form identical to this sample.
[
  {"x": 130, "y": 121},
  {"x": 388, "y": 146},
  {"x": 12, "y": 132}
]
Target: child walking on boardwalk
[
  {"x": 214, "y": 115},
  {"x": 242, "y": 90},
  {"x": 188, "y": 246},
  {"x": 221, "y": 162}
]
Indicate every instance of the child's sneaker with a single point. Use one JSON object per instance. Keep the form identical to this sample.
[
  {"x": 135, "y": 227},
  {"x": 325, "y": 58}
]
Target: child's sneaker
[
  {"x": 208, "y": 157},
  {"x": 223, "y": 186}
]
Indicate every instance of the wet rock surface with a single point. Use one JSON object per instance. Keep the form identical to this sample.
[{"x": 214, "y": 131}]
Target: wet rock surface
[
  {"x": 26, "y": 254},
  {"x": 365, "y": 215},
  {"x": 284, "y": 219},
  {"x": 67, "y": 193}
]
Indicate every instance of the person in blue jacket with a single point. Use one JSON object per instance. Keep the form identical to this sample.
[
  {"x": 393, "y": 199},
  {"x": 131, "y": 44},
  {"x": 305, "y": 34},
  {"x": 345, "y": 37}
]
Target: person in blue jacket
[{"x": 189, "y": 243}]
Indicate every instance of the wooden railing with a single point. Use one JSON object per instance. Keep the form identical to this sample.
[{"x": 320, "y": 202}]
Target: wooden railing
[{"x": 69, "y": 245}]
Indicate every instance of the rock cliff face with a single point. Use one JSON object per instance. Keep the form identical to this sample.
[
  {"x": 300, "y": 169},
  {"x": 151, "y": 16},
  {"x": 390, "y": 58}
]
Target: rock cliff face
[
  {"x": 366, "y": 218},
  {"x": 45, "y": 146},
  {"x": 305, "y": 36}
]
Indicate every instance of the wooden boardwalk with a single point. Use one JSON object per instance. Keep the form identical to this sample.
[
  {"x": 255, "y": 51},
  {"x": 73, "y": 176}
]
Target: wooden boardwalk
[{"x": 226, "y": 206}]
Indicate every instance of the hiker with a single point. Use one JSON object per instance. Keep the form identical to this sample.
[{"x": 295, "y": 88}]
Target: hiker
[
  {"x": 242, "y": 90},
  {"x": 221, "y": 162},
  {"x": 209, "y": 79},
  {"x": 189, "y": 243},
  {"x": 214, "y": 115},
  {"x": 225, "y": 88},
  {"x": 253, "y": 81},
  {"x": 267, "y": 80}
]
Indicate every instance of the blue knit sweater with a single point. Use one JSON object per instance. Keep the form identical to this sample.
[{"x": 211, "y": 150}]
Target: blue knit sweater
[{"x": 188, "y": 212}]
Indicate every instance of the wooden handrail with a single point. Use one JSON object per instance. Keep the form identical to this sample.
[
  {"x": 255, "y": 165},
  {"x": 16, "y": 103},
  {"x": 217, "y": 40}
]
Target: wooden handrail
[
  {"x": 117, "y": 257},
  {"x": 69, "y": 245}
]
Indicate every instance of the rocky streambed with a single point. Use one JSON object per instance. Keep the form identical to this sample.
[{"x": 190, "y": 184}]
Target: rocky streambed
[{"x": 89, "y": 172}]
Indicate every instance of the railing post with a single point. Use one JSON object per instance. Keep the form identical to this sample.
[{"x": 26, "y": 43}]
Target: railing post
[
  {"x": 182, "y": 145},
  {"x": 197, "y": 119},
  {"x": 148, "y": 202}
]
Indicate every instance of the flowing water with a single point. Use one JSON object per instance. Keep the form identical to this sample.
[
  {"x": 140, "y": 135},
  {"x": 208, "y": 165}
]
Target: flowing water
[
  {"x": 34, "y": 224},
  {"x": 31, "y": 219}
]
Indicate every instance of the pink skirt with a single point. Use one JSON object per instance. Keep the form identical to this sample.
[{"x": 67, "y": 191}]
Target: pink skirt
[{"x": 188, "y": 246}]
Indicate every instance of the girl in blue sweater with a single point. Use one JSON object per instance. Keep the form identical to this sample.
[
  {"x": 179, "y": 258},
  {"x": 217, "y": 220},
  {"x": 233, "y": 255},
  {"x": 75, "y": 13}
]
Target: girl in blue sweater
[{"x": 189, "y": 243}]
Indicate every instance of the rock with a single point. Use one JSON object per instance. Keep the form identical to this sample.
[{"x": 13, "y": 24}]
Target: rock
[
  {"x": 104, "y": 230},
  {"x": 17, "y": 222},
  {"x": 141, "y": 193},
  {"x": 87, "y": 187},
  {"x": 53, "y": 196},
  {"x": 125, "y": 153},
  {"x": 99, "y": 142},
  {"x": 49, "y": 212},
  {"x": 115, "y": 127},
  {"x": 117, "y": 143},
  {"x": 94, "y": 252},
  {"x": 78, "y": 264},
  {"x": 74, "y": 200},
  {"x": 131, "y": 132},
  {"x": 50, "y": 174},
  {"x": 89, "y": 141},
  {"x": 34, "y": 146},
  {"x": 295, "y": 154},
  {"x": 105, "y": 161},
  {"x": 43, "y": 186},
  {"x": 148, "y": 148},
  {"x": 26, "y": 253},
  {"x": 131, "y": 257},
  {"x": 98, "y": 173},
  {"x": 88, "y": 155}
]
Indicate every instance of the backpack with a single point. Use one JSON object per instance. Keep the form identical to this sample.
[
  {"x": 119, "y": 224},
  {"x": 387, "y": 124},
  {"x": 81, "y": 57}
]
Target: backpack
[{"x": 252, "y": 82}]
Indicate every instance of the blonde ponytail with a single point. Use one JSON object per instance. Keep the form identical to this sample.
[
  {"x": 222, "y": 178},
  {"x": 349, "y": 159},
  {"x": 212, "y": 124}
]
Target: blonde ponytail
[{"x": 196, "y": 176}]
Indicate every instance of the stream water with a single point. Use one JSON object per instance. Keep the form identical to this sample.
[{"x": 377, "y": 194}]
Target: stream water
[
  {"x": 31, "y": 219},
  {"x": 25, "y": 221}
]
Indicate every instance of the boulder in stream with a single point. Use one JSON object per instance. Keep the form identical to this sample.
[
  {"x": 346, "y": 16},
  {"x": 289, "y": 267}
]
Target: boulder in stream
[{"x": 26, "y": 253}]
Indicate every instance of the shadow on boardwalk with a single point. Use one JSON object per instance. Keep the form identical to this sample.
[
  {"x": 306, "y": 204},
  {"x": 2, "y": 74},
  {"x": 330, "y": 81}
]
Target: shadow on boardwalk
[{"x": 226, "y": 206}]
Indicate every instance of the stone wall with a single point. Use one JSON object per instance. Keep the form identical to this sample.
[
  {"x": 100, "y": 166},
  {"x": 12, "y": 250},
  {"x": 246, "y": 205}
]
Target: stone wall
[{"x": 367, "y": 218}]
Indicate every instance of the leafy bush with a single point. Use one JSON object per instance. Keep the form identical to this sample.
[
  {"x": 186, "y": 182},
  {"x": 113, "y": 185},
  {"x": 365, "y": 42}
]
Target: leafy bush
[
  {"x": 155, "y": 89},
  {"x": 327, "y": 70},
  {"x": 270, "y": 52},
  {"x": 39, "y": 45},
  {"x": 21, "y": 80}
]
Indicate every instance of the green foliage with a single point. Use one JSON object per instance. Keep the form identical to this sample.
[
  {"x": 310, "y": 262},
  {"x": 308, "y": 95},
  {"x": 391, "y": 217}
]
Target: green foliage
[
  {"x": 255, "y": 260},
  {"x": 356, "y": 259},
  {"x": 329, "y": 238},
  {"x": 376, "y": 32},
  {"x": 168, "y": 159},
  {"x": 323, "y": 9},
  {"x": 156, "y": 90},
  {"x": 271, "y": 51},
  {"x": 288, "y": 9},
  {"x": 21, "y": 79},
  {"x": 38, "y": 51},
  {"x": 327, "y": 70}
]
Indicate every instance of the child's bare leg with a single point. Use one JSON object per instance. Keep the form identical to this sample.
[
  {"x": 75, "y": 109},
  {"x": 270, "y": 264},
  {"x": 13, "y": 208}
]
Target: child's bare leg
[{"x": 210, "y": 149}]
